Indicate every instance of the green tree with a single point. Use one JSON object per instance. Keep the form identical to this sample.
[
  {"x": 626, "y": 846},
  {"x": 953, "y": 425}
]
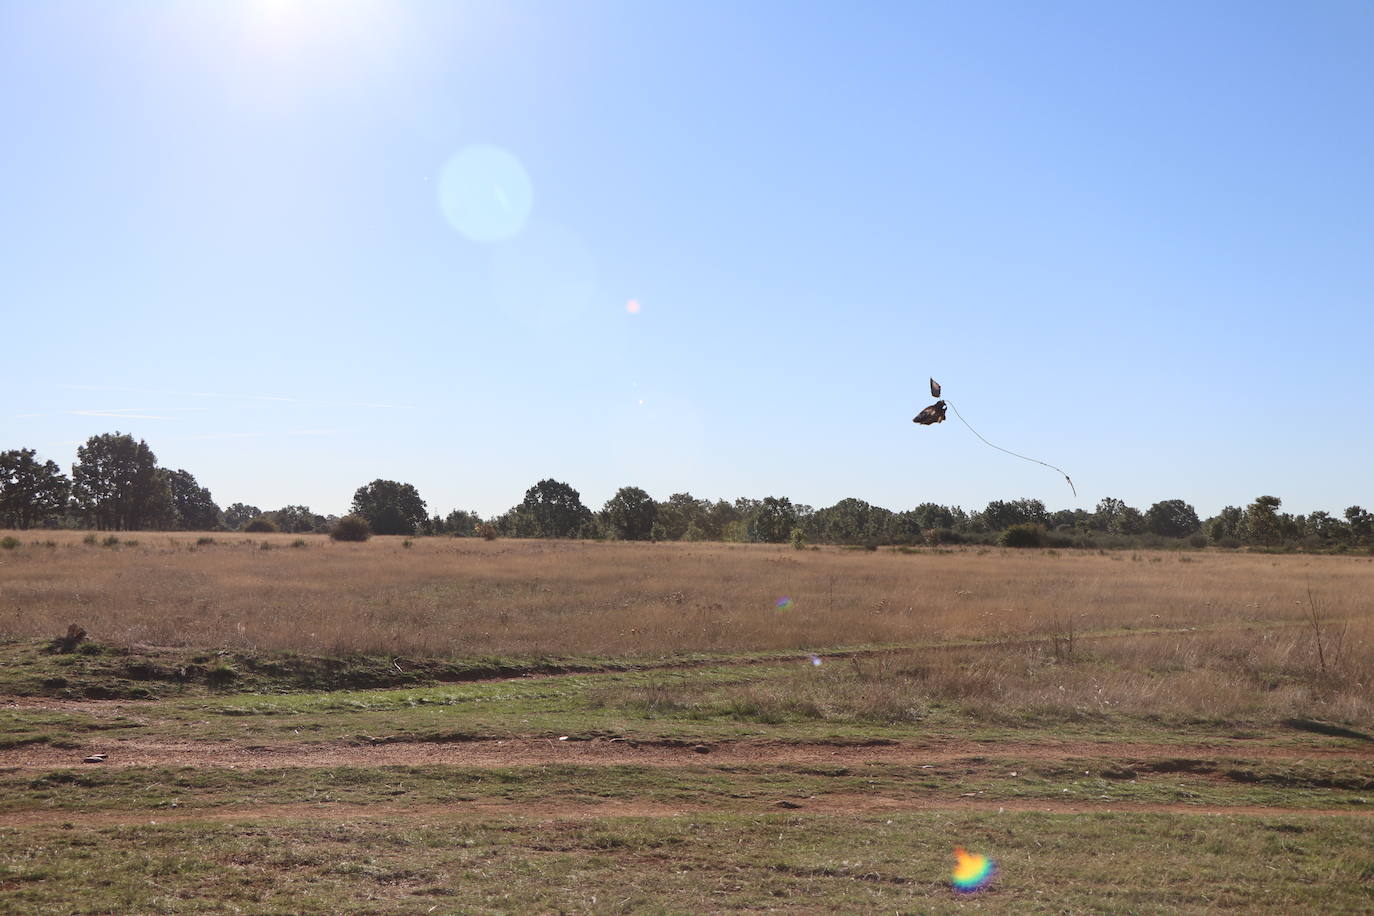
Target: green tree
[
  {"x": 1260, "y": 523},
  {"x": 1131, "y": 521},
  {"x": 1361, "y": 524},
  {"x": 390, "y": 507},
  {"x": 240, "y": 514},
  {"x": 630, "y": 514},
  {"x": 1109, "y": 509},
  {"x": 854, "y": 521},
  {"x": 773, "y": 520},
  {"x": 712, "y": 523},
  {"x": 159, "y": 513},
  {"x": 462, "y": 524},
  {"x": 1172, "y": 518},
  {"x": 1324, "y": 525},
  {"x": 930, "y": 515},
  {"x": 1225, "y": 524},
  {"x": 1000, "y": 515},
  {"x": 30, "y": 492},
  {"x": 192, "y": 507},
  {"x": 846, "y": 522},
  {"x": 297, "y": 519},
  {"x": 115, "y": 481},
  {"x": 550, "y": 509},
  {"x": 678, "y": 514}
]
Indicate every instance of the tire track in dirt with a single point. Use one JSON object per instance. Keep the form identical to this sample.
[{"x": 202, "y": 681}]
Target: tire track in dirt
[
  {"x": 506, "y": 752},
  {"x": 825, "y": 806}
]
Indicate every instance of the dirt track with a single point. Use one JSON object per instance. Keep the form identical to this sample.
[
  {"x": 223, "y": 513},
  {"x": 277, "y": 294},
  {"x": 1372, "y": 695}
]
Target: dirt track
[
  {"x": 538, "y": 751},
  {"x": 574, "y": 810}
]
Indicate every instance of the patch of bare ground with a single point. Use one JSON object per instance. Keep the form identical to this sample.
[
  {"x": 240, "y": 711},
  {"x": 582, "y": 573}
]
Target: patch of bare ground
[
  {"x": 508, "y": 752},
  {"x": 828, "y": 805}
]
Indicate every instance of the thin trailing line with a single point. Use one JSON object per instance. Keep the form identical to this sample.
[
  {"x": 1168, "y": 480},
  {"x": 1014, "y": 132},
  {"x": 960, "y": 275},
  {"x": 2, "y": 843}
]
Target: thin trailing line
[{"x": 1009, "y": 451}]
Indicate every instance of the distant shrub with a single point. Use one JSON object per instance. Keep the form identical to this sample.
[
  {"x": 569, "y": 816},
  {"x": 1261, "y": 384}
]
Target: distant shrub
[
  {"x": 260, "y": 525},
  {"x": 89, "y": 539},
  {"x": 298, "y": 542},
  {"x": 1024, "y": 536},
  {"x": 487, "y": 531},
  {"x": 1198, "y": 540},
  {"x": 937, "y": 536},
  {"x": 265, "y": 546},
  {"x": 351, "y": 528},
  {"x": 110, "y": 541},
  {"x": 1229, "y": 543},
  {"x": 9, "y": 543},
  {"x": 407, "y": 543},
  {"x": 798, "y": 539},
  {"x": 204, "y": 542}
]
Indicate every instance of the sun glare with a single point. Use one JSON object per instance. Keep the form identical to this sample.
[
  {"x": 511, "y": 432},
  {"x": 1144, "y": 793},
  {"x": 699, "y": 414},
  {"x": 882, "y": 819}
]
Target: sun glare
[{"x": 295, "y": 26}]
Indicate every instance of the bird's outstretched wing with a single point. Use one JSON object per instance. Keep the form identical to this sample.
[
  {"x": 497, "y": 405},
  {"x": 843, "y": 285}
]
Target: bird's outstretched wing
[
  {"x": 935, "y": 413},
  {"x": 934, "y": 388}
]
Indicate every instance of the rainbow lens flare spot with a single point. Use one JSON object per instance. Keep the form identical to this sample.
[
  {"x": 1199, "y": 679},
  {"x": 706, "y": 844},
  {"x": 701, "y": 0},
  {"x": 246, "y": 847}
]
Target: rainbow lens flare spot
[
  {"x": 971, "y": 872},
  {"x": 784, "y": 603}
]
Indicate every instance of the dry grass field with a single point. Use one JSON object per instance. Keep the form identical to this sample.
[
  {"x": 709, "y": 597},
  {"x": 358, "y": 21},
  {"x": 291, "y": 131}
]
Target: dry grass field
[
  {"x": 443, "y": 596},
  {"x": 530, "y": 726}
]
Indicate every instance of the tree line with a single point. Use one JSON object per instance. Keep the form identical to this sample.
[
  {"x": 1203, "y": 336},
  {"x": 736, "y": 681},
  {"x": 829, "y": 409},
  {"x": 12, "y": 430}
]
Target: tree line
[{"x": 116, "y": 484}]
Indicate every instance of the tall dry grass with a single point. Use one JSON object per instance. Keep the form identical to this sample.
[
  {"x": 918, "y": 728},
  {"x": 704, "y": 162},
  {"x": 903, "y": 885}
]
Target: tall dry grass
[
  {"x": 1255, "y": 674},
  {"x": 466, "y": 596}
]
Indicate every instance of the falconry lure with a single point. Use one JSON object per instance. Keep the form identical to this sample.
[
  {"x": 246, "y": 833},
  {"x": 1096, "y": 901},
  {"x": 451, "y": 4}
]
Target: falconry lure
[{"x": 935, "y": 413}]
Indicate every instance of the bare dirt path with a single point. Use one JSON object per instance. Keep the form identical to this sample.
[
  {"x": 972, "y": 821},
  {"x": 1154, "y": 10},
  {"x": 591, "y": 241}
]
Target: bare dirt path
[
  {"x": 827, "y": 805},
  {"x": 538, "y": 751}
]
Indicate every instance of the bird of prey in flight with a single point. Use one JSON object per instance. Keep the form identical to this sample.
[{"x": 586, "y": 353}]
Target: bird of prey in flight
[{"x": 935, "y": 413}]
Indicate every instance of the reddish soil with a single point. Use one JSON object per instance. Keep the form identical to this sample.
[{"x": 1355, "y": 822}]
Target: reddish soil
[
  {"x": 534, "y": 751},
  {"x": 828, "y": 805}
]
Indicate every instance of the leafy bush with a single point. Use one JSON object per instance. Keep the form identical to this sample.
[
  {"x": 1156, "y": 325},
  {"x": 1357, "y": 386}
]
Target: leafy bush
[
  {"x": 9, "y": 543},
  {"x": 89, "y": 539},
  {"x": 260, "y": 525},
  {"x": 798, "y": 539},
  {"x": 487, "y": 531},
  {"x": 204, "y": 542},
  {"x": 351, "y": 528},
  {"x": 1024, "y": 536},
  {"x": 298, "y": 542},
  {"x": 1198, "y": 540},
  {"x": 110, "y": 541}
]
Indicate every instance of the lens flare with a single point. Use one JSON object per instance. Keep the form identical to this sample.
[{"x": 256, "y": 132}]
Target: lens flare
[
  {"x": 632, "y": 306},
  {"x": 972, "y": 872},
  {"x": 485, "y": 193},
  {"x": 784, "y": 603}
]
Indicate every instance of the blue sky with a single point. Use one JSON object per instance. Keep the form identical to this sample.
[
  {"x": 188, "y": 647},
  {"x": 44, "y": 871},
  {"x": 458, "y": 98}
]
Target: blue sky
[{"x": 1134, "y": 240}]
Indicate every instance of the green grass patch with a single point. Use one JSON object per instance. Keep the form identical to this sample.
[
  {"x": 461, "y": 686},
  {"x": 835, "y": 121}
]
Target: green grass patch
[
  {"x": 1096, "y": 782},
  {"x": 783, "y": 862}
]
